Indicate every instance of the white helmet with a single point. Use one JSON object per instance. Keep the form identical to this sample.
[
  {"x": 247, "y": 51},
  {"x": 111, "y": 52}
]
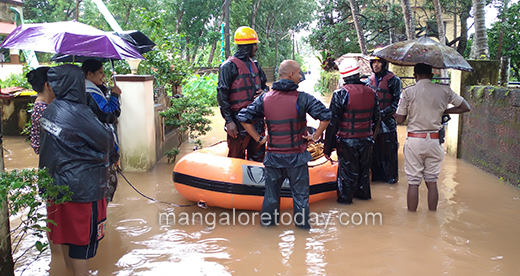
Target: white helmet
[{"x": 348, "y": 67}]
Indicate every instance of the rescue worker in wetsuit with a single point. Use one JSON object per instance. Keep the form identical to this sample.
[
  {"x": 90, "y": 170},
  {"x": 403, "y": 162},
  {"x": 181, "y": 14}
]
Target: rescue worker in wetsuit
[
  {"x": 285, "y": 109},
  {"x": 355, "y": 111},
  {"x": 388, "y": 90},
  {"x": 240, "y": 81}
]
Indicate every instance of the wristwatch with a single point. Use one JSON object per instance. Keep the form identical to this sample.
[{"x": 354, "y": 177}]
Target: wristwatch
[{"x": 260, "y": 139}]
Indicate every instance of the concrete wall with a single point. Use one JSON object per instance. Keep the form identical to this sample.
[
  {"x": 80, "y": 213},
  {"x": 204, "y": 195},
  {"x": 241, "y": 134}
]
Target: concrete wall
[
  {"x": 490, "y": 133},
  {"x": 136, "y": 128},
  {"x": 7, "y": 69}
]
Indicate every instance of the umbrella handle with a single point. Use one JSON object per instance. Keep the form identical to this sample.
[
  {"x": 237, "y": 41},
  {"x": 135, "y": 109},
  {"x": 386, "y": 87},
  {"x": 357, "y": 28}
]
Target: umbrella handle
[{"x": 113, "y": 71}]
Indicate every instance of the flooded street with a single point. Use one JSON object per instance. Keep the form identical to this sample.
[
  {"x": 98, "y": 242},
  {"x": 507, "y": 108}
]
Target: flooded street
[{"x": 476, "y": 230}]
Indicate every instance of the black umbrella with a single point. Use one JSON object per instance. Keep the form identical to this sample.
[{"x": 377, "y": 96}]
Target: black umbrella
[{"x": 423, "y": 50}]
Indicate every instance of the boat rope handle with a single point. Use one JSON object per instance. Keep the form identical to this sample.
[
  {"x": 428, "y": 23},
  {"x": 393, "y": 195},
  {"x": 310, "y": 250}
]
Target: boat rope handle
[
  {"x": 201, "y": 203},
  {"x": 331, "y": 161}
]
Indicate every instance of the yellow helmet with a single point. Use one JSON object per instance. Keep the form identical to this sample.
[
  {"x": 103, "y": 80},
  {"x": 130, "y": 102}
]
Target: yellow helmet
[
  {"x": 245, "y": 35},
  {"x": 372, "y": 57}
]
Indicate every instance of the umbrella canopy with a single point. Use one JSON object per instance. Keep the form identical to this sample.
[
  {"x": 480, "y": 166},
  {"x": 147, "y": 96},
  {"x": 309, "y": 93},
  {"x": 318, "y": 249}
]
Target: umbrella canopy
[
  {"x": 136, "y": 39},
  {"x": 423, "y": 50},
  {"x": 70, "y": 38}
]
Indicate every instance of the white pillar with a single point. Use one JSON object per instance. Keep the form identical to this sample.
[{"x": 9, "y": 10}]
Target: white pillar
[{"x": 136, "y": 127}]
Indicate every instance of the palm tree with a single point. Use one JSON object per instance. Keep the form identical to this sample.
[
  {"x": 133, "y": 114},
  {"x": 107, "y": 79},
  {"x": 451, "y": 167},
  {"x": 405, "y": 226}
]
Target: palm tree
[
  {"x": 408, "y": 20},
  {"x": 440, "y": 22},
  {"x": 480, "y": 48},
  {"x": 361, "y": 38}
]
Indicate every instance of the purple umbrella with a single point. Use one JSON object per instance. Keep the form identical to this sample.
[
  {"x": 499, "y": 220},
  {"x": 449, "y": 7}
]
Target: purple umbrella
[{"x": 70, "y": 38}]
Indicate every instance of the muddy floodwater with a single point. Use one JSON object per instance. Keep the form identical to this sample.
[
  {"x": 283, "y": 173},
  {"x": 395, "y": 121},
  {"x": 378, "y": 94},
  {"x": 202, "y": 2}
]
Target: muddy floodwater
[{"x": 475, "y": 231}]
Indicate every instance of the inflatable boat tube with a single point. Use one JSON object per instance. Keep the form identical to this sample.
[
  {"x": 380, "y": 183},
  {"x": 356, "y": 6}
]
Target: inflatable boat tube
[{"x": 208, "y": 175}]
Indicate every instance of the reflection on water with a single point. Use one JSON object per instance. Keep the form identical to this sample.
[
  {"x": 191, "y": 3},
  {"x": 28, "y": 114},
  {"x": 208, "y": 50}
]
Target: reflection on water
[{"x": 474, "y": 232}]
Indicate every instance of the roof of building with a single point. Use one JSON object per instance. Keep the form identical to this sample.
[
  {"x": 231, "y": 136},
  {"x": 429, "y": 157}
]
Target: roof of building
[{"x": 6, "y": 28}]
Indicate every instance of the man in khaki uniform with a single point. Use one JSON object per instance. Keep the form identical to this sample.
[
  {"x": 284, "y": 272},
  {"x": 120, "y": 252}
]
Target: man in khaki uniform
[{"x": 424, "y": 103}]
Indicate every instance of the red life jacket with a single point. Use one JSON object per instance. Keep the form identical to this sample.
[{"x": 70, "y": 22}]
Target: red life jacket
[
  {"x": 356, "y": 121},
  {"x": 244, "y": 85},
  {"x": 284, "y": 126},
  {"x": 384, "y": 96}
]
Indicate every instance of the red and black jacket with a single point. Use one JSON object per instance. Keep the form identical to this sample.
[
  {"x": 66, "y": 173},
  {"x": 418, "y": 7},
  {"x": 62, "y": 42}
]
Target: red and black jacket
[
  {"x": 356, "y": 121},
  {"x": 244, "y": 85},
  {"x": 383, "y": 94},
  {"x": 284, "y": 125}
]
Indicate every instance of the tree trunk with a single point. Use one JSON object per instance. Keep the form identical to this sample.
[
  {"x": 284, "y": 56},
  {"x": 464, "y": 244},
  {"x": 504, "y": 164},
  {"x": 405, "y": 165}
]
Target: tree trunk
[
  {"x": 179, "y": 19},
  {"x": 463, "y": 42},
  {"x": 293, "y": 47},
  {"x": 441, "y": 33},
  {"x": 253, "y": 16},
  {"x": 212, "y": 53},
  {"x": 6, "y": 259},
  {"x": 276, "y": 50},
  {"x": 391, "y": 29},
  {"x": 359, "y": 29},
  {"x": 226, "y": 28},
  {"x": 501, "y": 33},
  {"x": 127, "y": 16},
  {"x": 440, "y": 22},
  {"x": 408, "y": 19},
  {"x": 480, "y": 48}
]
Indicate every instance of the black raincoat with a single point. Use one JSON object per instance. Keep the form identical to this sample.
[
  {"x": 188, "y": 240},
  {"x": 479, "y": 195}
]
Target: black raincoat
[
  {"x": 227, "y": 73},
  {"x": 74, "y": 143},
  {"x": 354, "y": 154},
  {"x": 384, "y": 158}
]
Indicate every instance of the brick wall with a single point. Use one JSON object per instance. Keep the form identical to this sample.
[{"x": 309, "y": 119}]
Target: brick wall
[{"x": 490, "y": 133}]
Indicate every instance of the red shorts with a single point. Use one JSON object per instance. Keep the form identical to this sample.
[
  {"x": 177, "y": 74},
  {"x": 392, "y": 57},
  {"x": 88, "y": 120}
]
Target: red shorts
[{"x": 73, "y": 221}]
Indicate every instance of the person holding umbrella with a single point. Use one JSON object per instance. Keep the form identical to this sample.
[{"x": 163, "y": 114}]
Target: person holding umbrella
[
  {"x": 355, "y": 111},
  {"x": 388, "y": 89},
  {"x": 424, "y": 104},
  {"x": 94, "y": 76},
  {"x": 240, "y": 81}
]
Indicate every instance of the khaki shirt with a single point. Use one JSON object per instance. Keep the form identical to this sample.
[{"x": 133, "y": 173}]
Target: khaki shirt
[{"x": 424, "y": 103}]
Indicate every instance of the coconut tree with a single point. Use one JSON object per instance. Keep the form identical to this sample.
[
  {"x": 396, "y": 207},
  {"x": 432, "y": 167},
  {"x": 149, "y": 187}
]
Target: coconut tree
[
  {"x": 440, "y": 22},
  {"x": 359, "y": 29},
  {"x": 408, "y": 19},
  {"x": 479, "y": 48}
]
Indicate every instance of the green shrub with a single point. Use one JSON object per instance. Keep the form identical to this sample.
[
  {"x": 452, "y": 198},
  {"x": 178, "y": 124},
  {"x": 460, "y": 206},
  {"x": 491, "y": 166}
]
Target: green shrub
[
  {"x": 328, "y": 82},
  {"x": 27, "y": 192},
  {"x": 203, "y": 88},
  {"x": 16, "y": 80},
  {"x": 188, "y": 115}
]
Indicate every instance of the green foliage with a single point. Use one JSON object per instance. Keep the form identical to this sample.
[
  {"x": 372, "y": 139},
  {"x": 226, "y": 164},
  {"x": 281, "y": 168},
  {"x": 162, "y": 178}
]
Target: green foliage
[
  {"x": 15, "y": 80},
  {"x": 27, "y": 129},
  {"x": 335, "y": 31},
  {"x": 327, "y": 83},
  {"x": 511, "y": 36},
  {"x": 189, "y": 115},
  {"x": 480, "y": 92},
  {"x": 27, "y": 192},
  {"x": 203, "y": 88},
  {"x": 172, "y": 154},
  {"x": 327, "y": 61},
  {"x": 164, "y": 62}
]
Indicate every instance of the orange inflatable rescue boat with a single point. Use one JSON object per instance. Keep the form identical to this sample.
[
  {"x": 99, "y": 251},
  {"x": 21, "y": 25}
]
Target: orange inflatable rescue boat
[{"x": 209, "y": 175}]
